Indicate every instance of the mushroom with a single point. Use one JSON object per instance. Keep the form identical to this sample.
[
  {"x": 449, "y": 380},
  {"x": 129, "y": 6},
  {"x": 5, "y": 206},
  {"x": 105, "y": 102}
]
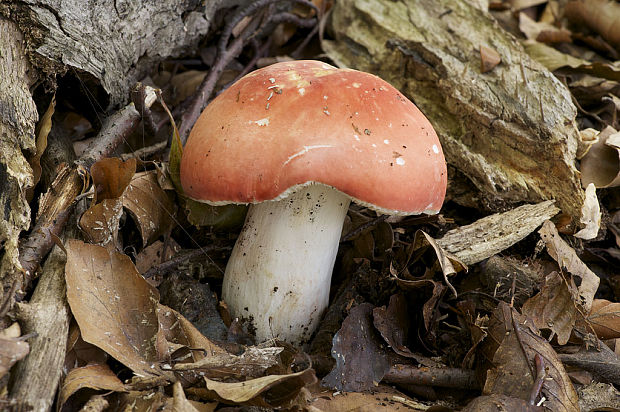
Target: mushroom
[{"x": 298, "y": 141}]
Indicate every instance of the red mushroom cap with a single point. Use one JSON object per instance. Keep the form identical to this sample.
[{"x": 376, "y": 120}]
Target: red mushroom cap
[{"x": 294, "y": 123}]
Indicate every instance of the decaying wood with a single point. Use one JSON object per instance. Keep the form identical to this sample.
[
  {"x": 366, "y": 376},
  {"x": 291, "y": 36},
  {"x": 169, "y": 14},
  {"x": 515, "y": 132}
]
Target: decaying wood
[
  {"x": 18, "y": 115},
  {"x": 464, "y": 379},
  {"x": 34, "y": 379},
  {"x": 117, "y": 42},
  {"x": 493, "y": 234},
  {"x": 511, "y": 131}
]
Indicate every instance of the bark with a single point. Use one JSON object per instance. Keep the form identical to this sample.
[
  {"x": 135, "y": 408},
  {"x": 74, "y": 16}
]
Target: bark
[
  {"x": 35, "y": 379},
  {"x": 18, "y": 115},
  {"x": 117, "y": 42},
  {"x": 511, "y": 131}
]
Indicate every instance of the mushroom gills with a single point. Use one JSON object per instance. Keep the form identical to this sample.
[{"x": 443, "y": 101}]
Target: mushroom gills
[{"x": 279, "y": 273}]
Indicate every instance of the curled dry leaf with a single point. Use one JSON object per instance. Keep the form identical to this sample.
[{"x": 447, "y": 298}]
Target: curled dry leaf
[
  {"x": 511, "y": 346},
  {"x": 567, "y": 259},
  {"x": 111, "y": 176},
  {"x": 587, "y": 138},
  {"x": 602, "y": 16},
  {"x": 590, "y": 215},
  {"x": 181, "y": 404},
  {"x": 115, "y": 308},
  {"x": 601, "y": 165},
  {"x": 604, "y": 317},
  {"x": 393, "y": 325},
  {"x": 42, "y": 131},
  {"x": 268, "y": 391},
  {"x": 361, "y": 360},
  {"x": 94, "y": 376},
  {"x": 554, "y": 307},
  {"x": 151, "y": 207}
]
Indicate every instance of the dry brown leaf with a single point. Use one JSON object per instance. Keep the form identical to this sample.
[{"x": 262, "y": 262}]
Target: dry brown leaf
[
  {"x": 489, "y": 58},
  {"x": 497, "y": 403},
  {"x": 361, "y": 360},
  {"x": 11, "y": 351},
  {"x": 604, "y": 317},
  {"x": 151, "y": 255},
  {"x": 115, "y": 308},
  {"x": 554, "y": 307},
  {"x": 393, "y": 325},
  {"x": 567, "y": 259},
  {"x": 100, "y": 222},
  {"x": 602, "y": 16},
  {"x": 185, "y": 85},
  {"x": 601, "y": 165},
  {"x": 590, "y": 215},
  {"x": 151, "y": 207},
  {"x": 268, "y": 391},
  {"x": 42, "y": 131},
  {"x": 525, "y": 4},
  {"x": 95, "y": 376},
  {"x": 181, "y": 404},
  {"x": 541, "y": 31},
  {"x": 111, "y": 176},
  {"x": 511, "y": 347},
  {"x": 383, "y": 399}
]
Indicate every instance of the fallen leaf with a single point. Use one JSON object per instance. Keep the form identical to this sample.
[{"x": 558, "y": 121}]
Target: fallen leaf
[
  {"x": 590, "y": 215},
  {"x": 181, "y": 404},
  {"x": 554, "y": 307},
  {"x": 42, "y": 131},
  {"x": 11, "y": 351},
  {"x": 598, "y": 359},
  {"x": 601, "y": 165},
  {"x": 361, "y": 360},
  {"x": 602, "y": 16},
  {"x": 268, "y": 391},
  {"x": 500, "y": 403},
  {"x": 511, "y": 346},
  {"x": 568, "y": 260},
  {"x": 94, "y": 376},
  {"x": 542, "y": 31},
  {"x": 111, "y": 176},
  {"x": 220, "y": 217},
  {"x": 604, "y": 317},
  {"x": 151, "y": 207},
  {"x": 383, "y": 399},
  {"x": 100, "y": 222},
  {"x": 115, "y": 308}
]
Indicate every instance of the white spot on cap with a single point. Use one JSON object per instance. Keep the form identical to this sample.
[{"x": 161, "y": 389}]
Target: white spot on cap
[
  {"x": 324, "y": 97},
  {"x": 435, "y": 149},
  {"x": 301, "y": 91},
  {"x": 374, "y": 145},
  {"x": 305, "y": 150},
  {"x": 262, "y": 122},
  {"x": 386, "y": 141},
  {"x": 356, "y": 137},
  {"x": 356, "y": 85},
  {"x": 390, "y": 125},
  {"x": 400, "y": 161},
  {"x": 272, "y": 80}
]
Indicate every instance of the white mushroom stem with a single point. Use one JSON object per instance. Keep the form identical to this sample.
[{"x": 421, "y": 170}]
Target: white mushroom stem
[{"x": 279, "y": 273}]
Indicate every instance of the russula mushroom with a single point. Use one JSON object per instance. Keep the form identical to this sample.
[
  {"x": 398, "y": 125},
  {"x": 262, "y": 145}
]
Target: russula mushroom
[{"x": 298, "y": 141}]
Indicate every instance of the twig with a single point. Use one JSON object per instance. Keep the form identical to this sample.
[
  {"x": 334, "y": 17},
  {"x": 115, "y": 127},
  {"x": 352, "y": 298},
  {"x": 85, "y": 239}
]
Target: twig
[
  {"x": 442, "y": 377},
  {"x": 172, "y": 264},
  {"x": 540, "y": 378},
  {"x": 363, "y": 227},
  {"x": 227, "y": 54}
]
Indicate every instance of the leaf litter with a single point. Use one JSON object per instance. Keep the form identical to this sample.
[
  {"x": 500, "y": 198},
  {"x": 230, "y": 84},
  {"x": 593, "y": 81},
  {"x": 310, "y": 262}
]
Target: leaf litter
[{"x": 470, "y": 291}]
